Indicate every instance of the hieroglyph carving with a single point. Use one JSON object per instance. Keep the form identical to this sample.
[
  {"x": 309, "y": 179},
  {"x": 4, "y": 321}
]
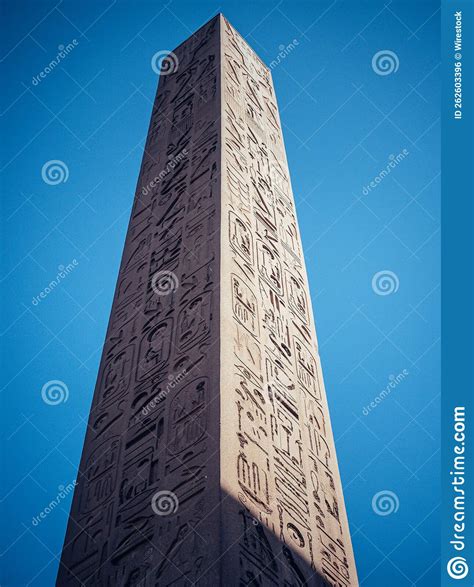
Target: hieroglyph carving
[
  {"x": 278, "y": 459},
  {"x": 114, "y": 537}
]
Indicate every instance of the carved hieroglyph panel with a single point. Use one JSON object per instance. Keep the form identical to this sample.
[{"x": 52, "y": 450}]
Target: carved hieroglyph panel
[
  {"x": 277, "y": 454},
  {"x": 154, "y": 422}
]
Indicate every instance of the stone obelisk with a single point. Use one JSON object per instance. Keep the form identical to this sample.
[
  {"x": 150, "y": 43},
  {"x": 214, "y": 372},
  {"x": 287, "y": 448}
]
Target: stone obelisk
[{"x": 209, "y": 457}]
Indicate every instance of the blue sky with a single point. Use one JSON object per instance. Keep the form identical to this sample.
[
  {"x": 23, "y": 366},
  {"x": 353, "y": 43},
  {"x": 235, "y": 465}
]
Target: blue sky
[{"x": 344, "y": 121}]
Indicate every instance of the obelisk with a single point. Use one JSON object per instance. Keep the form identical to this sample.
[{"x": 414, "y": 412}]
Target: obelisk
[{"x": 209, "y": 457}]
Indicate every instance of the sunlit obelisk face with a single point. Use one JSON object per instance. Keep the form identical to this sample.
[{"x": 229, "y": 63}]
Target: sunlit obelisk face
[{"x": 209, "y": 457}]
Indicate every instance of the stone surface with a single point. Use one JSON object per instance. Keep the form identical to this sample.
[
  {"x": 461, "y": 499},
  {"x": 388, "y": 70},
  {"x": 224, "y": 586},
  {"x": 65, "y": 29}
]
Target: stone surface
[{"x": 209, "y": 457}]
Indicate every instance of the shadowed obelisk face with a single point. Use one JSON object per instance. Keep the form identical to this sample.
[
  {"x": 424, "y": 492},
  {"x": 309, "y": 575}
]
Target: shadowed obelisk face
[{"x": 209, "y": 457}]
